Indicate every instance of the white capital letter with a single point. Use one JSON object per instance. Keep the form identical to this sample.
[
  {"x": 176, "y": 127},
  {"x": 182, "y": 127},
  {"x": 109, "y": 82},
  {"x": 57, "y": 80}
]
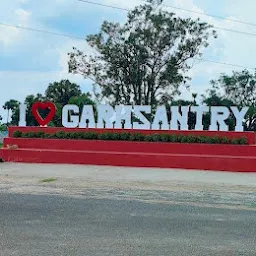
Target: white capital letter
[
  {"x": 161, "y": 116},
  {"x": 105, "y": 112},
  {"x": 23, "y": 109},
  {"x": 123, "y": 113},
  {"x": 74, "y": 119},
  {"x": 199, "y": 116},
  {"x": 137, "y": 113},
  {"x": 181, "y": 118},
  {"x": 239, "y": 117},
  {"x": 87, "y": 114},
  {"x": 218, "y": 116}
]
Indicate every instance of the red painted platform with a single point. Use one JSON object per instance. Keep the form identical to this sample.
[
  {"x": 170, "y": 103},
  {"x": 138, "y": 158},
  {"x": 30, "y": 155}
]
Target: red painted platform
[{"x": 236, "y": 158}]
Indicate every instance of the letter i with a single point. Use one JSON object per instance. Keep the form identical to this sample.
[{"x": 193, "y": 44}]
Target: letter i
[{"x": 23, "y": 109}]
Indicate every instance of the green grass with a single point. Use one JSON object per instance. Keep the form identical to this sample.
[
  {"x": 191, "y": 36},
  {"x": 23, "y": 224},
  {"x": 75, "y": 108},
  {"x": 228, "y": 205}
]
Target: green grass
[{"x": 48, "y": 180}]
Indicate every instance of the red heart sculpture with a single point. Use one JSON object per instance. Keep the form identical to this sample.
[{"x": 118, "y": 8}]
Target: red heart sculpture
[{"x": 42, "y": 105}]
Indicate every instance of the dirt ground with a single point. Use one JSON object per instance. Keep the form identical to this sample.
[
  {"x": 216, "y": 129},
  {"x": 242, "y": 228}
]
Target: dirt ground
[{"x": 199, "y": 188}]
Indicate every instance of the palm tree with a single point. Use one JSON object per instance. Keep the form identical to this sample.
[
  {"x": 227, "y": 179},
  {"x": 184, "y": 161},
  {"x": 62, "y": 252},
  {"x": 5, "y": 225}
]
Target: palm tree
[{"x": 10, "y": 105}]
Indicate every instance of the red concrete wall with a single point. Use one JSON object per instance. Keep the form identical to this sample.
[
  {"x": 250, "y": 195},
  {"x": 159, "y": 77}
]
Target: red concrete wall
[
  {"x": 130, "y": 146},
  {"x": 217, "y": 157},
  {"x": 251, "y": 136},
  {"x": 135, "y": 159}
]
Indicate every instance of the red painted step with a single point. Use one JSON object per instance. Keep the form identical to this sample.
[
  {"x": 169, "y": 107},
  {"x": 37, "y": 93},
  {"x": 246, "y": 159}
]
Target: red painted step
[
  {"x": 135, "y": 159},
  {"x": 129, "y": 146}
]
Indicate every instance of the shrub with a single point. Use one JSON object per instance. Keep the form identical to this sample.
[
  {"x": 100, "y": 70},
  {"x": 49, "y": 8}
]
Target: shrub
[
  {"x": 164, "y": 137},
  {"x": 61, "y": 135},
  {"x": 126, "y": 136},
  {"x": 116, "y": 136},
  {"x": 225, "y": 140},
  {"x": 17, "y": 134},
  {"x": 243, "y": 141},
  {"x": 156, "y": 137}
]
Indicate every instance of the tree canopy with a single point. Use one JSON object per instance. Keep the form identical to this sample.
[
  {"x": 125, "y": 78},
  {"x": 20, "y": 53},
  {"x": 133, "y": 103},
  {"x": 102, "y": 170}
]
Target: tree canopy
[
  {"x": 144, "y": 61},
  {"x": 238, "y": 89},
  {"x": 10, "y": 105},
  {"x": 61, "y": 92}
]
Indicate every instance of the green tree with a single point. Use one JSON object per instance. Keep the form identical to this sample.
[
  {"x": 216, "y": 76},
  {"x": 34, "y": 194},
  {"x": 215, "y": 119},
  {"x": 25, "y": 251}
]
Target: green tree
[
  {"x": 61, "y": 92},
  {"x": 29, "y": 101},
  {"x": 11, "y": 105},
  {"x": 83, "y": 99},
  {"x": 238, "y": 89},
  {"x": 145, "y": 60},
  {"x": 3, "y": 127}
]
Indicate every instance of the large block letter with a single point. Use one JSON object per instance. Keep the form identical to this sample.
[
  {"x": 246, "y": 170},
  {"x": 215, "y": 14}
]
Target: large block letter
[
  {"x": 105, "y": 112},
  {"x": 199, "y": 116},
  {"x": 87, "y": 115},
  {"x": 22, "y": 115},
  {"x": 177, "y": 118},
  {"x": 239, "y": 115},
  {"x": 161, "y": 116},
  {"x": 145, "y": 123},
  {"x": 218, "y": 116},
  {"x": 74, "y": 119},
  {"x": 123, "y": 113}
]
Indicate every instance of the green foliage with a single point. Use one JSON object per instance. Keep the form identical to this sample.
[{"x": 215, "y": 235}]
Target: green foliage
[
  {"x": 81, "y": 100},
  {"x": 11, "y": 105},
  {"x": 61, "y": 92},
  {"x": 29, "y": 101},
  {"x": 238, "y": 89},
  {"x": 131, "y": 136},
  {"x": 18, "y": 134},
  {"x": 3, "y": 128},
  {"x": 144, "y": 61}
]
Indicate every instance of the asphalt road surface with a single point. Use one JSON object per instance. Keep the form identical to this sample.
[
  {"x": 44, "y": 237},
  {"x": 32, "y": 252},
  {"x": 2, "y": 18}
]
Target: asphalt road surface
[{"x": 84, "y": 221}]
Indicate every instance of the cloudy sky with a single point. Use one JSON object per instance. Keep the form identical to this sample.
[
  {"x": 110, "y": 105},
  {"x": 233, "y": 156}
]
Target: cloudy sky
[{"x": 29, "y": 61}]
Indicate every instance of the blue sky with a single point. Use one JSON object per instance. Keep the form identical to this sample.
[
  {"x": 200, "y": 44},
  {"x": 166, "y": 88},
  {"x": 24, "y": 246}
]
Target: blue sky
[{"x": 30, "y": 61}]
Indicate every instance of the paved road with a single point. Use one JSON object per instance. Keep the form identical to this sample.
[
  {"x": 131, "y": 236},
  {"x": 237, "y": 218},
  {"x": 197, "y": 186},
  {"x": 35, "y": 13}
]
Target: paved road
[{"x": 42, "y": 225}]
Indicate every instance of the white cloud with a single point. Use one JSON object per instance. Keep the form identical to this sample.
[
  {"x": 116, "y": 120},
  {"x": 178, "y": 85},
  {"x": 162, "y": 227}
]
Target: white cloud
[{"x": 22, "y": 15}]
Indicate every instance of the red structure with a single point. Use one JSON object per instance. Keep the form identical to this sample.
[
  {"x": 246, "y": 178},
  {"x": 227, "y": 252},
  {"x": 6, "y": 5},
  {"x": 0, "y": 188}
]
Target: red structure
[{"x": 236, "y": 158}]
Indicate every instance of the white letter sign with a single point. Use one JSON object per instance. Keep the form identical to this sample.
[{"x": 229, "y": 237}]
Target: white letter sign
[
  {"x": 105, "y": 112},
  {"x": 145, "y": 123},
  {"x": 74, "y": 119},
  {"x": 136, "y": 117},
  {"x": 161, "y": 116},
  {"x": 87, "y": 115},
  {"x": 181, "y": 118},
  {"x": 218, "y": 116}
]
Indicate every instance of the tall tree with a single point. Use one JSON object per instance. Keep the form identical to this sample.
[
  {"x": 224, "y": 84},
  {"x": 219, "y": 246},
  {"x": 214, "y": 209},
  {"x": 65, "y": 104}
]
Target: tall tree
[
  {"x": 10, "y": 105},
  {"x": 238, "y": 89},
  {"x": 145, "y": 60},
  {"x": 61, "y": 92}
]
